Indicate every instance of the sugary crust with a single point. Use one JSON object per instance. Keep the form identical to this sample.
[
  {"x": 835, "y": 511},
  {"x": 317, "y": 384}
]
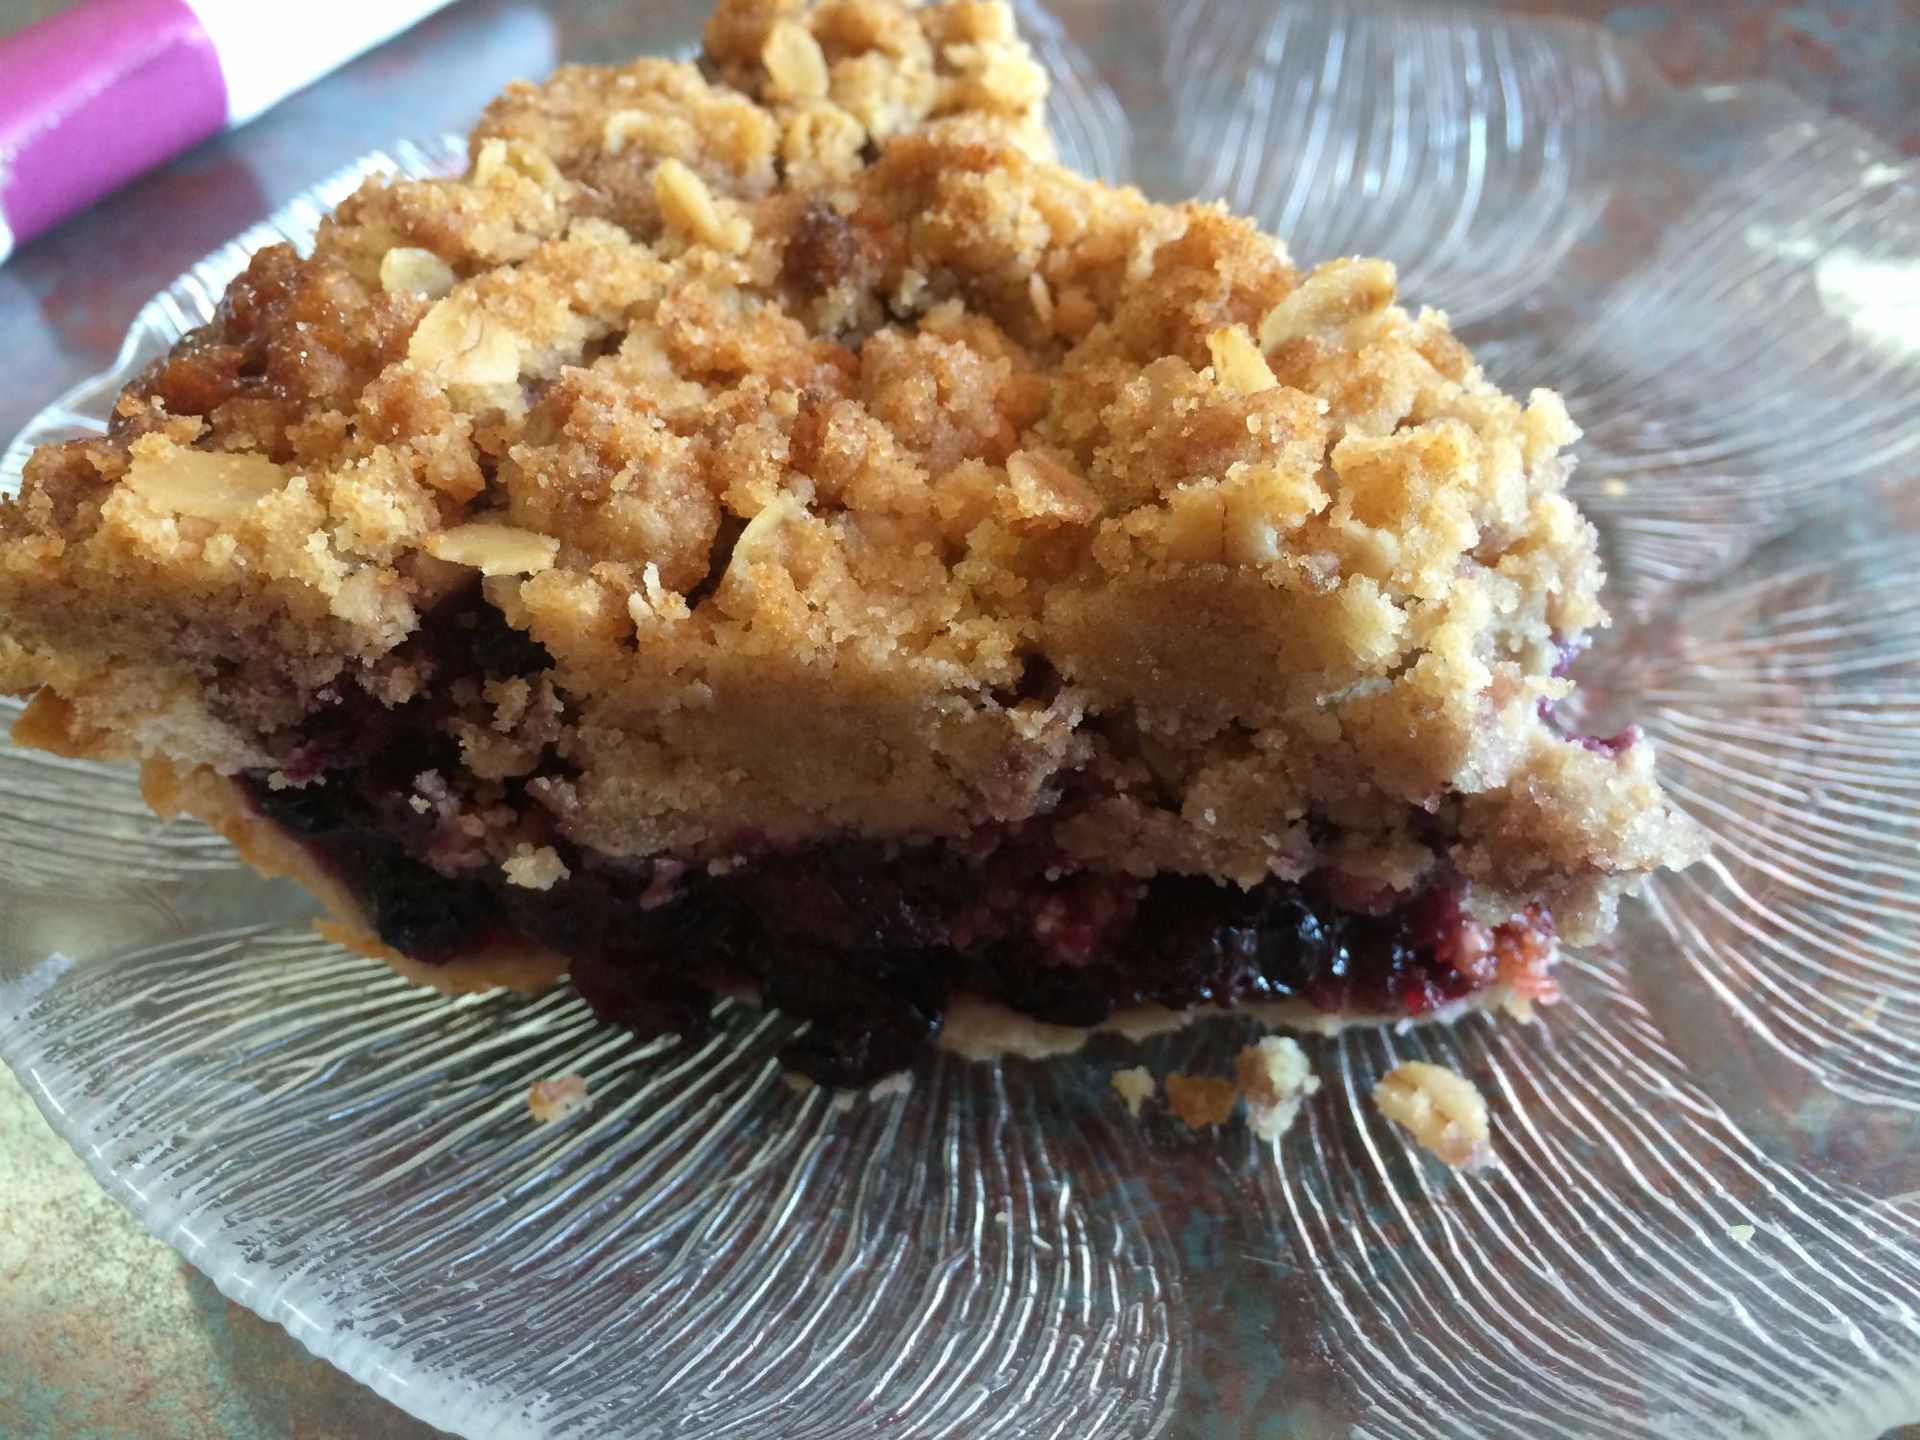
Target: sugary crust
[{"x": 862, "y": 471}]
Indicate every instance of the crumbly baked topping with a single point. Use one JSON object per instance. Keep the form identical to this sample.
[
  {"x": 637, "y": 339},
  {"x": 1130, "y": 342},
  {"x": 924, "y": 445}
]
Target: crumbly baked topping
[{"x": 862, "y": 471}]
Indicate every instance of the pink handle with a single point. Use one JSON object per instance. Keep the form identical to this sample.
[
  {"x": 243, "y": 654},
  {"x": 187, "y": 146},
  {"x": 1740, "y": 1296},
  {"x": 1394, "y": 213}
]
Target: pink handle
[{"x": 92, "y": 97}]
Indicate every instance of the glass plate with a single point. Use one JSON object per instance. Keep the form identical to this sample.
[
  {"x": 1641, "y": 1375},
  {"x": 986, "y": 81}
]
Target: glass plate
[{"x": 1702, "y": 1217}]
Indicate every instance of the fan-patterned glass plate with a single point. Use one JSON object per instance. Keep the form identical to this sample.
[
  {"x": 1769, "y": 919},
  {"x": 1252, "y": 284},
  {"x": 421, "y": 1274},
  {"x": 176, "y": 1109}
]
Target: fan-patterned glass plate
[{"x": 1701, "y": 1221}]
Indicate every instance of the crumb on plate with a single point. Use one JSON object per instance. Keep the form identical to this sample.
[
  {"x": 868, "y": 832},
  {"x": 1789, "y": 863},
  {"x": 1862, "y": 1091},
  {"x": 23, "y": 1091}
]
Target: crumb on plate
[
  {"x": 1201, "y": 1100},
  {"x": 1440, "y": 1108},
  {"x": 1135, "y": 1087},
  {"x": 1274, "y": 1079},
  {"x": 1869, "y": 1015},
  {"x": 552, "y": 1101}
]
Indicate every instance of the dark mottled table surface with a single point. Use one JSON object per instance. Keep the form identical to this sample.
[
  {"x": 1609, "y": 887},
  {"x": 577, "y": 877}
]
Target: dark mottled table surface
[{"x": 104, "y": 1332}]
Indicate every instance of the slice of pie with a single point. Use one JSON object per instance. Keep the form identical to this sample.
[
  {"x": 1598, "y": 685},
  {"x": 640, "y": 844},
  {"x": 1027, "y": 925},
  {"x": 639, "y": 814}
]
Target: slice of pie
[{"x": 769, "y": 529}]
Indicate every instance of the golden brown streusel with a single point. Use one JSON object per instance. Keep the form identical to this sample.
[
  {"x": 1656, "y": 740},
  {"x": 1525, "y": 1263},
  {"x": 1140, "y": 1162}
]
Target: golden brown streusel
[{"x": 863, "y": 471}]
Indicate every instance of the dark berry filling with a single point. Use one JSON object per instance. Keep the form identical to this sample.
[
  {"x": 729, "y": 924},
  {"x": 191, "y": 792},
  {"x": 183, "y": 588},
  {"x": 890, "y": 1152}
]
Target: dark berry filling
[
  {"x": 864, "y": 939},
  {"x": 868, "y": 941}
]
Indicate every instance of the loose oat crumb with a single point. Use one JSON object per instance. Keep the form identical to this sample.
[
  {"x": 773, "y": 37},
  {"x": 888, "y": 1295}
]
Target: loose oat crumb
[
  {"x": 494, "y": 549},
  {"x": 1335, "y": 295},
  {"x": 1135, "y": 1087},
  {"x": 535, "y": 869},
  {"x": 216, "y": 487},
  {"x": 898, "y": 1083},
  {"x": 693, "y": 210},
  {"x": 1869, "y": 1015},
  {"x": 796, "y": 1082},
  {"x": 406, "y": 269},
  {"x": 1237, "y": 361},
  {"x": 552, "y": 1101},
  {"x": 1201, "y": 1100},
  {"x": 796, "y": 66},
  {"x": 1274, "y": 1078},
  {"x": 1740, "y": 1234},
  {"x": 1439, "y": 1108}
]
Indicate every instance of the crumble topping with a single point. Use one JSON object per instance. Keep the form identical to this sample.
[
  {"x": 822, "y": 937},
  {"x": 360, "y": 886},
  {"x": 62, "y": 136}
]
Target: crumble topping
[
  {"x": 1440, "y": 1108},
  {"x": 852, "y": 469}
]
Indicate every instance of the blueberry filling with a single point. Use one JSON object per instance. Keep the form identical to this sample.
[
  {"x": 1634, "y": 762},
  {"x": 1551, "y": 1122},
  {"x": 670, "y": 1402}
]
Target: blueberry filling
[{"x": 866, "y": 940}]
